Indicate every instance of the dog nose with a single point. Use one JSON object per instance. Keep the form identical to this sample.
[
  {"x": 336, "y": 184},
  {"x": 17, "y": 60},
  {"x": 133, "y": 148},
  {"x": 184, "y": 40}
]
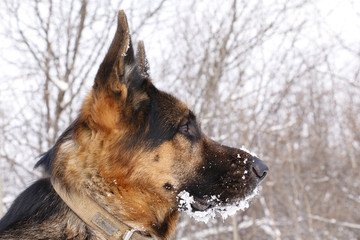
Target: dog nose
[{"x": 260, "y": 168}]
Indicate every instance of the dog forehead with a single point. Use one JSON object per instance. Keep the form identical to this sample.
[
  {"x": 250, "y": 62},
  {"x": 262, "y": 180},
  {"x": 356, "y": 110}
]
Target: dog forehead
[
  {"x": 170, "y": 106},
  {"x": 164, "y": 116}
]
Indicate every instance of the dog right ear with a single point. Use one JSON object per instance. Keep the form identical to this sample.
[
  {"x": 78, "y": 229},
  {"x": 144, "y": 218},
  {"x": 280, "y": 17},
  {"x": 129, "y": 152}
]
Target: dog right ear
[
  {"x": 142, "y": 61},
  {"x": 115, "y": 70}
]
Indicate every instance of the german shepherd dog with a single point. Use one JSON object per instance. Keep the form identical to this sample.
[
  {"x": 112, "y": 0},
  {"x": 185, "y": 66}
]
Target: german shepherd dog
[{"x": 117, "y": 171}]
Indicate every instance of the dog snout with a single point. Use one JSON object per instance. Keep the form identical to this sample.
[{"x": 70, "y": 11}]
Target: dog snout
[{"x": 260, "y": 168}]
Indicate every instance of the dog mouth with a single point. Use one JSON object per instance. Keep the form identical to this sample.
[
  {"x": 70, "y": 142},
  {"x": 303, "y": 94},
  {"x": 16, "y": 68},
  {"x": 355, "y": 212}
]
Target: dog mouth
[
  {"x": 200, "y": 204},
  {"x": 190, "y": 202},
  {"x": 208, "y": 207}
]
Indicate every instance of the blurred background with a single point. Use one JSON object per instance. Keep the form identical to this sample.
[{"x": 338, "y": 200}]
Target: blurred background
[{"x": 279, "y": 77}]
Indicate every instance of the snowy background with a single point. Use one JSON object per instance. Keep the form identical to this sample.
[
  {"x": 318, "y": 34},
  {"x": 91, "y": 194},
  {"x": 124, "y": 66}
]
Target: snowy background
[{"x": 279, "y": 77}]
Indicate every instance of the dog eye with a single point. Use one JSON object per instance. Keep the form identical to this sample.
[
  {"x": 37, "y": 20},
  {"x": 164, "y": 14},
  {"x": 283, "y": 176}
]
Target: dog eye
[{"x": 184, "y": 128}]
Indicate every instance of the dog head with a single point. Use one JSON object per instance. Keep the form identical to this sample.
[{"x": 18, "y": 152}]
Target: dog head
[{"x": 134, "y": 148}]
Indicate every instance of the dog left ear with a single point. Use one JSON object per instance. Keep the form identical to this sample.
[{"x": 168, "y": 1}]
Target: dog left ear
[{"x": 115, "y": 72}]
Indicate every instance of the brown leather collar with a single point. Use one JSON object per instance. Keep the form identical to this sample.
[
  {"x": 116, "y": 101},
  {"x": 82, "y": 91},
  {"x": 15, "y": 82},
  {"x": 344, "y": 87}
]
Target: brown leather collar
[{"x": 97, "y": 217}]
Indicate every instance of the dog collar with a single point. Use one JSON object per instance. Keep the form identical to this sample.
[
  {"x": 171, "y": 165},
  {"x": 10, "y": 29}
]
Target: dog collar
[{"x": 96, "y": 217}]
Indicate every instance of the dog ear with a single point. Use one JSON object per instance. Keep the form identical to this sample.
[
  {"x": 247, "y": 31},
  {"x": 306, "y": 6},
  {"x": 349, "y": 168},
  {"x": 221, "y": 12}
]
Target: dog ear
[
  {"x": 115, "y": 70},
  {"x": 142, "y": 61}
]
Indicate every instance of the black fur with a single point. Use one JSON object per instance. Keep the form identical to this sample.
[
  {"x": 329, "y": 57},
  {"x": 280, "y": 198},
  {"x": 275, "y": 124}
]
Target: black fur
[
  {"x": 163, "y": 227},
  {"x": 46, "y": 160},
  {"x": 36, "y": 204},
  {"x": 160, "y": 129}
]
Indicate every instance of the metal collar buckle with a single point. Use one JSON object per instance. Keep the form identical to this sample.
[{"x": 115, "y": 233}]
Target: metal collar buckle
[{"x": 128, "y": 234}]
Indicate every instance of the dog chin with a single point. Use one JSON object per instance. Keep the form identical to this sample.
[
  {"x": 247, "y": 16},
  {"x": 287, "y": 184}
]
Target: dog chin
[{"x": 204, "y": 210}]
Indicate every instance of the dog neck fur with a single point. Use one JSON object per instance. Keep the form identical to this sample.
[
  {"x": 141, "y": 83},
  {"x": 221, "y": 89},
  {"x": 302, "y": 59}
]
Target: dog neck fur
[{"x": 113, "y": 193}]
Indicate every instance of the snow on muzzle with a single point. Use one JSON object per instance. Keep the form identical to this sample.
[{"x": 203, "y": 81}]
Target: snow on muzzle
[{"x": 225, "y": 186}]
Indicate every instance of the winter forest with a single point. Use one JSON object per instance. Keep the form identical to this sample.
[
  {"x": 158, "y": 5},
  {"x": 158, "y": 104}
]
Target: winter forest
[{"x": 280, "y": 77}]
